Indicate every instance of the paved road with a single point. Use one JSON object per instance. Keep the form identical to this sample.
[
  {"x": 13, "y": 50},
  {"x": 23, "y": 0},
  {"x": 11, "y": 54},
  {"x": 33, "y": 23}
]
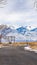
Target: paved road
[{"x": 17, "y": 56}]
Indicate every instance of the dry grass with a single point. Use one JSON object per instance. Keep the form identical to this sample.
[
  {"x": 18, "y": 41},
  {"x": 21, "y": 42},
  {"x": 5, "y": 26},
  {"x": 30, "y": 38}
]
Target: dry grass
[{"x": 32, "y": 44}]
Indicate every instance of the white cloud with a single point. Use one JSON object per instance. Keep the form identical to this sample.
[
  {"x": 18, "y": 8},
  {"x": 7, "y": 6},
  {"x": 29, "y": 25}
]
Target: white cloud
[{"x": 18, "y": 12}]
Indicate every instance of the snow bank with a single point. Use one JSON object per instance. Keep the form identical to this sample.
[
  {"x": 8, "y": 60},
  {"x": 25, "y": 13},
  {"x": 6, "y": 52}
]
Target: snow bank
[{"x": 30, "y": 49}]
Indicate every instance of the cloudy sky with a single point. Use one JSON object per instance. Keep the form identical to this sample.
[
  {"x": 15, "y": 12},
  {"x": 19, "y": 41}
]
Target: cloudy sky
[{"x": 19, "y": 13}]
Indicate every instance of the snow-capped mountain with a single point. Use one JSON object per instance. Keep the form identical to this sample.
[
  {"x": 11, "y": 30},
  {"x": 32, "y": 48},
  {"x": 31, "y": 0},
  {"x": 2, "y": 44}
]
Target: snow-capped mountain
[
  {"x": 29, "y": 34},
  {"x": 34, "y": 30},
  {"x": 22, "y": 30},
  {"x": 4, "y": 29},
  {"x": 30, "y": 27},
  {"x": 26, "y": 29},
  {"x": 21, "y": 34}
]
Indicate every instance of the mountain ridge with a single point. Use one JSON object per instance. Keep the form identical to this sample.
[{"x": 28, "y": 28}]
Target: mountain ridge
[{"x": 21, "y": 33}]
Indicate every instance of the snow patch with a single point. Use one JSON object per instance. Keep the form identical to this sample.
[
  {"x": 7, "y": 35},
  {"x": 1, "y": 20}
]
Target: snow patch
[{"x": 30, "y": 49}]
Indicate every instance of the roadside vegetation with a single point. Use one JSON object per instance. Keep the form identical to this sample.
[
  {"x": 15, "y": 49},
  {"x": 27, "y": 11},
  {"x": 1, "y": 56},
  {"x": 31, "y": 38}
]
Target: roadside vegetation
[{"x": 32, "y": 44}]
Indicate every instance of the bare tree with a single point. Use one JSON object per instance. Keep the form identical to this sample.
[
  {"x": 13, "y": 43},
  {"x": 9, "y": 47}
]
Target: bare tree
[
  {"x": 11, "y": 38},
  {"x": 0, "y": 37}
]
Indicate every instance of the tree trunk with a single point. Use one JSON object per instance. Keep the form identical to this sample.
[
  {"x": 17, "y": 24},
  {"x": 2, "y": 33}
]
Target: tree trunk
[{"x": 0, "y": 38}]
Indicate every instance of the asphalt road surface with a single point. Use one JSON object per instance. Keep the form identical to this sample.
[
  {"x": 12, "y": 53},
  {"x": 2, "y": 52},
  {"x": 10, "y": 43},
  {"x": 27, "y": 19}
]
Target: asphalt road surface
[{"x": 17, "y": 56}]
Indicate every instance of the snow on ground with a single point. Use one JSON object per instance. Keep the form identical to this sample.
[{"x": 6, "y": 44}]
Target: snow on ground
[{"x": 30, "y": 49}]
